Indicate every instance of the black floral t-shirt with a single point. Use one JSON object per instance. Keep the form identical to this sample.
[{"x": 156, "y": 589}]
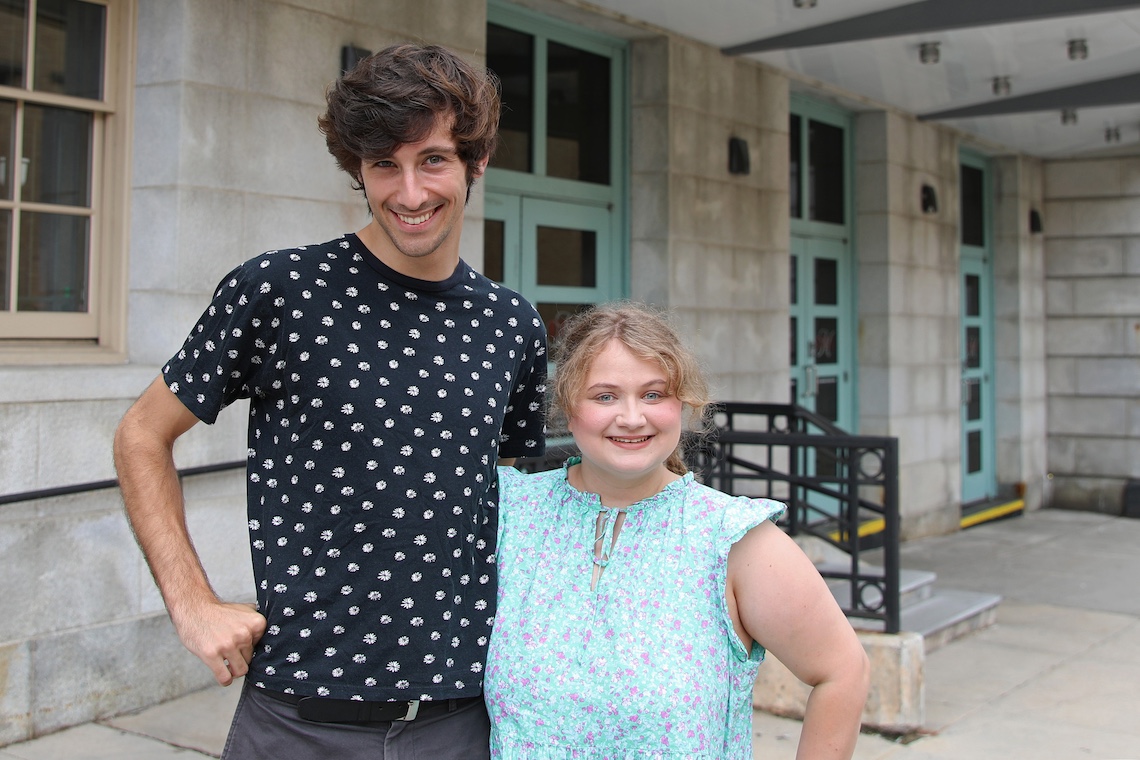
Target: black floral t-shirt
[{"x": 379, "y": 405}]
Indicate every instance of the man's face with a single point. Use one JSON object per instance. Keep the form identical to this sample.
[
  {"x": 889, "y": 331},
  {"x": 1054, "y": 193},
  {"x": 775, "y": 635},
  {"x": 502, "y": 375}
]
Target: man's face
[{"x": 417, "y": 196}]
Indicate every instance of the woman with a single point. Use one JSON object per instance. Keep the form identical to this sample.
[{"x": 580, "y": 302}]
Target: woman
[{"x": 635, "y": 604}]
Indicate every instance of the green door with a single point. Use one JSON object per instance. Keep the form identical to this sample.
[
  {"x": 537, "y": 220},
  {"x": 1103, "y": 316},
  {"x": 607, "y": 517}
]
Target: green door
[
  {"x": 822, "y": 310},
  {"x": 979, "y": 479}
]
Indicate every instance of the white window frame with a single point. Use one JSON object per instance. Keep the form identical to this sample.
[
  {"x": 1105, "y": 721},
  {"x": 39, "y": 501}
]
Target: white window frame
[{"x": 99, "y": 334}]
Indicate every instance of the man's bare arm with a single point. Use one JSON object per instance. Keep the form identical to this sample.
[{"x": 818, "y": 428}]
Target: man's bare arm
[{"x": 220, "y": 634}]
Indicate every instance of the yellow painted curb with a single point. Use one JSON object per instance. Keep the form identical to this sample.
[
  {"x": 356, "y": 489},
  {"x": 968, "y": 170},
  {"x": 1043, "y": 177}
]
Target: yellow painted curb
[{"x": 992, "y": 513}]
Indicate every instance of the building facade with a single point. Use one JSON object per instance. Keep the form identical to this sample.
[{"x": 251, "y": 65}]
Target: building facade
[{"x": 892, "y": 274}]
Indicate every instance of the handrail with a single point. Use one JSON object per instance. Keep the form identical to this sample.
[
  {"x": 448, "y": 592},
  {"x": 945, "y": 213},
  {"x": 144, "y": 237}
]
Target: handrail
[{"x": 101, "y": 485}]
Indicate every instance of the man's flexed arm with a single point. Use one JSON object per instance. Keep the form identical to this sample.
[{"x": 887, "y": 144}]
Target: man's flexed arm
[{"x": 220, "y": 634}]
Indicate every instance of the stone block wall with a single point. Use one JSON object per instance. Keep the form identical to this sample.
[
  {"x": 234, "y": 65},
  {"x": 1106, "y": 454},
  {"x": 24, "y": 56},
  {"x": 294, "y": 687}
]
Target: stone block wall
[
  {"x": 709, "y": 245},
  {"x": 1092, "y": 305}
]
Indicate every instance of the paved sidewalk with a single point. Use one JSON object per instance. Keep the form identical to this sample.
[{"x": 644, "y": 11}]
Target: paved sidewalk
[{"x": 1057, "y": 678}]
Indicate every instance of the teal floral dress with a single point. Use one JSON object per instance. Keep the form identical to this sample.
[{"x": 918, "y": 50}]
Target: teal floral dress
[{"x": 647, "y": 665}]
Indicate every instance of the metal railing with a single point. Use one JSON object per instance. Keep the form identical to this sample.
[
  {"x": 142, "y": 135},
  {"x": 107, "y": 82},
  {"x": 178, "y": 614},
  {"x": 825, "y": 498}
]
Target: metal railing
[{"x": 840, "y": 488}]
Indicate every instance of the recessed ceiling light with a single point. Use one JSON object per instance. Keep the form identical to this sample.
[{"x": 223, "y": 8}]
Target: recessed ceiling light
[{"x": 928, "y": 52}]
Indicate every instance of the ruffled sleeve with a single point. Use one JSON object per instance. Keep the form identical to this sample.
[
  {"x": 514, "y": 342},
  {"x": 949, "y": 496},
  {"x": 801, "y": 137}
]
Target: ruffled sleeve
[
  {"x": 510, "y": 485},
  {"x": 742, "y": 514}
]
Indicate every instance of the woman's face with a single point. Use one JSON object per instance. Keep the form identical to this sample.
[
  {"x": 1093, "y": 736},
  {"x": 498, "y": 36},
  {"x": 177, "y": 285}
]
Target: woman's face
[{"x": 624, "y": 422}]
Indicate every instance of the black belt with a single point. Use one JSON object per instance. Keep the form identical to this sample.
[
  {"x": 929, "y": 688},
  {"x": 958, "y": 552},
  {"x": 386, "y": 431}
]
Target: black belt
[{"x": 324, "y": 710}]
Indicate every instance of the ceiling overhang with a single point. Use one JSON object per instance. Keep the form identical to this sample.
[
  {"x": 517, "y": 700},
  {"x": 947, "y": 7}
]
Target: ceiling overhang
[
  {"x": 1106, "y": 92},
  {"x": 928, "y": 16}
]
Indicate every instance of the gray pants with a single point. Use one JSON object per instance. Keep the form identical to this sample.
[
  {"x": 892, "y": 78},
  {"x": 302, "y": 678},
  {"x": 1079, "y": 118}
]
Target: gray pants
[{"x": 265, "y": 728}]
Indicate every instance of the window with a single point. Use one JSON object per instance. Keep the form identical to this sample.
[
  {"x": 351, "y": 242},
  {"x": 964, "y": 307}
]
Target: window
[
  {"x": 819, "y": 173},
  {"x": 64, "y": 82},
  {"x": 973, "y": 226}
]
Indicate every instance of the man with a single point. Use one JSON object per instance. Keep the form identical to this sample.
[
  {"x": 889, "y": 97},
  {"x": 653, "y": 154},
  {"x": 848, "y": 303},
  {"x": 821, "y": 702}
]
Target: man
[{"x": 385, "y": 378}]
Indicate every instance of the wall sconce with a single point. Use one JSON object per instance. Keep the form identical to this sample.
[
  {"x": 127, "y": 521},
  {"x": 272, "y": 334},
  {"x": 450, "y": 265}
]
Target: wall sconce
[
  {"x": 1001, "y": 86},
  {"x": 929, "y": 200},
  {"x": 804, "y": 3},
  {"x": 1069, "y": 116},
  {"x": 1112, "y": 134},
  {"x": 350, "y": 55},
  {"x": 1035, "y": 225},
  {"x": 1078, "y": 49},
  {"x": 928, "y": 52},
  {"x": 738, "y": 160}
]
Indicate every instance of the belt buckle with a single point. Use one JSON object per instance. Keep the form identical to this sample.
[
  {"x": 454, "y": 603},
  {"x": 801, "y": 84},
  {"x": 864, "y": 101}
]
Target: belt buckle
[{"x": 413, "y": 710}]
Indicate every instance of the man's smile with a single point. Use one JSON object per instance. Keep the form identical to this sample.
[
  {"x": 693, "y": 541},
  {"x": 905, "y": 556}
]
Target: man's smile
[{"x": 414, "y": 220}]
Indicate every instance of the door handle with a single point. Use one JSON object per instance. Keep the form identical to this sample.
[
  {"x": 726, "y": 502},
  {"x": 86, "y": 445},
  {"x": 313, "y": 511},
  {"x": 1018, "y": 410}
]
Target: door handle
[{"x": 811, "y": 375}]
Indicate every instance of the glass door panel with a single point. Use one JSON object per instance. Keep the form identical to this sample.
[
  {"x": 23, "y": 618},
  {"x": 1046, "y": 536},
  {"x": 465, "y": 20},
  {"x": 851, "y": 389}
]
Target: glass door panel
[{"x": 978, "y": 480}]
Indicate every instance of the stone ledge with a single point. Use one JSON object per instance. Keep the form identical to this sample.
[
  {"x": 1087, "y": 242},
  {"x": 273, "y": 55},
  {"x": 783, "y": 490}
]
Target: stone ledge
[
  {"x": 896, "y": 702},
  {"x": 60, "y": 680}
]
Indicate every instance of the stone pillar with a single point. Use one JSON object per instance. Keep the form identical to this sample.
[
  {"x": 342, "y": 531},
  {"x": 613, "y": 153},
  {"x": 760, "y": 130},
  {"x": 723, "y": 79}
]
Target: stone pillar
[
  {"x": 908, "y": 310},
  {"x": 1019, "y": 330},
  {"x": 709, "y": 245}
]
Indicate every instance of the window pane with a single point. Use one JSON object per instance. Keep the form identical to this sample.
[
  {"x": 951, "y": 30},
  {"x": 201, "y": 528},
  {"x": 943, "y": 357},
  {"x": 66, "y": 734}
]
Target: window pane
[
  {"x": 554, "y": 315},
  {"x": 510, "y": 55},
  {"x": 826, "y": 346},
  {"x": 973, "y": 347},
  {"x": 493, "y": 241},
  {"x": 825, "y": 169},
  {"x": 13, "y": 26},
  {"x": 795, "y": 340},
  {"x": 5, "y": 257},
  {"x": 795, "y": 268},
  {"x": 7, "y": 148},
  {"x": 826, "y": 282},
  {"x": 973, "y": 295},
  {"x": 794, "y": 190},
  {"x": 974, "y": 405},
  {"x": 973, "y": 207},
  {"x": 974, "y": 452},
  {"x": 69, "y": 48},
  {"x": 53, "y": 263},
  {"x": 567, "y": 257},
  {"x": 826, "y": 462},
  {"x": 577, "y": 114},
  {"x": 827, "y": 398},
  {"x": 57, "y": 149}
]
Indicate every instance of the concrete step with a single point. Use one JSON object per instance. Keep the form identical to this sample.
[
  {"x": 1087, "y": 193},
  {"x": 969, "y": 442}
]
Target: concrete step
[
  {"x": 940, "y": 615},
  {"x": 950, "y": 614},
  {"x": 914, "y": 585}
]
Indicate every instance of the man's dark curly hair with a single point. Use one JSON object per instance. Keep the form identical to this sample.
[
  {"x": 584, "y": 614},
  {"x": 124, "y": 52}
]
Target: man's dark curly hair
[{"x": 397, "y": 95}]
